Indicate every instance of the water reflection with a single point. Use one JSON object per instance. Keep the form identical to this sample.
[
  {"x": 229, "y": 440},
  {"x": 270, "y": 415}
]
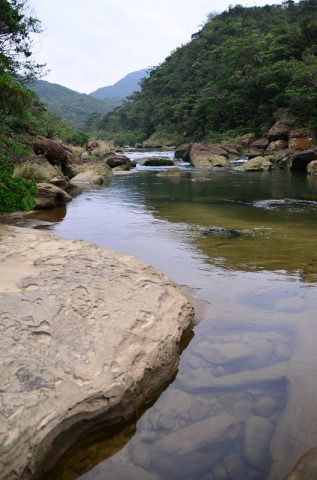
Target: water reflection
[{"x": 243, "y": 403}]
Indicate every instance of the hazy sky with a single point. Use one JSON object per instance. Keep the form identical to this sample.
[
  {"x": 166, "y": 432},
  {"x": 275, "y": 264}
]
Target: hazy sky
[{"x": 88, "y": 44}]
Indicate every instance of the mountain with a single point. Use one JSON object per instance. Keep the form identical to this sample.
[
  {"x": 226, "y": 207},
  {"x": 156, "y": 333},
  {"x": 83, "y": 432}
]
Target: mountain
[
  {"x": 244, "y": 68},
  {"x": 123, "y": 88},
  {"x": 70, "y": 105}
]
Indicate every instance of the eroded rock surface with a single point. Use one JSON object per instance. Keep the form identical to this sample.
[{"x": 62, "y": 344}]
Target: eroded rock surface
[{"x": 86, "y": 335}]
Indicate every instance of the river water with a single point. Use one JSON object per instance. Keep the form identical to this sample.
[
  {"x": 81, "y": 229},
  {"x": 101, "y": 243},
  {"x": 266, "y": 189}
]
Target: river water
[{"x": 243, "y": 404}]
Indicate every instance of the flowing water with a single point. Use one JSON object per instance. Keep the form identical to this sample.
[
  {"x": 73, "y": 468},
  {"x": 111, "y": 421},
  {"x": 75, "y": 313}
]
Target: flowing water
[{"x": 243, "y": 404}]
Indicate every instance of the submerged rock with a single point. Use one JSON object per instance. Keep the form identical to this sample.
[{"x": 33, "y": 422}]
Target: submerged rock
[
  {"x": 87, "y": 336},
  {"x": 221, "y": 232},
  {"x": 156, "y": 161},
  {"x": 258, "y": 433}
]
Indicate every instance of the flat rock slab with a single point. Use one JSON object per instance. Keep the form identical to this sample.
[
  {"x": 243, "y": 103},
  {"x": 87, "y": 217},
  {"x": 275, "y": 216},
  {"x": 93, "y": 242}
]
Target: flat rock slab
[{"x": 87, "y": 335}]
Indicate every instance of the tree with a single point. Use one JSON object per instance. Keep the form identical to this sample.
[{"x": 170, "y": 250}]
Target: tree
[{"x": 16, "y": 27}]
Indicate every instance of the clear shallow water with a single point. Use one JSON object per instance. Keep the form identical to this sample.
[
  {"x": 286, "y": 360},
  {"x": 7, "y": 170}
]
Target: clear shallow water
[{"x": 243, "y": 403}]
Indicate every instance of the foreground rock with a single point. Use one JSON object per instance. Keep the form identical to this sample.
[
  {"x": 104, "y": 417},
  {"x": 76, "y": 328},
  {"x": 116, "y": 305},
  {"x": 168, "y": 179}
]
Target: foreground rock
[{"x": 87, "y": 336}]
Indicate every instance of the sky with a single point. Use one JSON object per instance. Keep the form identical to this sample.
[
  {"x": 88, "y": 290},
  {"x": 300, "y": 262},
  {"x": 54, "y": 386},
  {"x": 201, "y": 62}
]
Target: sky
[{"x": 90, "y": 44}]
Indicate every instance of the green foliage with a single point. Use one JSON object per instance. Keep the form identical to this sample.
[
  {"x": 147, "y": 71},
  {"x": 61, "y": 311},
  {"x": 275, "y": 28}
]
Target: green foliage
[
  {"x": 241, "y": 70},
  {"x": 16, "y": 29},
  {"x": 15, "y": 192}
]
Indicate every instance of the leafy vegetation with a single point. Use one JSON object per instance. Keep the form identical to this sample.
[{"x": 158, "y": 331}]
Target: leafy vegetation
[
  {"x": 22, "y": 115},
  {"x": 244, "y": 68}
]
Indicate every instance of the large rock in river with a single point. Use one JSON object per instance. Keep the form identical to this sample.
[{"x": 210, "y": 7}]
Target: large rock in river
[
  {"x": 208, "y": 155},
  {"x": 257, "y": 164},
  {"x": 87, "y": 335},
  {"x": 50, "y": 196},
  {"x": 299, "y": 161}
]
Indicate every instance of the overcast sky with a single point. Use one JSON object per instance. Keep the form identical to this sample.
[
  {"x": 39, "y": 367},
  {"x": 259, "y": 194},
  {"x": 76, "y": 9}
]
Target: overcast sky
[{"x": 88, "y": 44}]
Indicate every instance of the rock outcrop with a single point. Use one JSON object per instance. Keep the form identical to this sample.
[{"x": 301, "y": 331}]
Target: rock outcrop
[
  {"x": 299, "y": 161},
  {"x": 87, "y": 335},
  {"x": 50, "y": 196}
]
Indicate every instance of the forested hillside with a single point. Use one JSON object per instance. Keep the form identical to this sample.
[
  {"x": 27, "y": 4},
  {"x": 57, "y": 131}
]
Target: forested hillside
[
  {"x": 245, "y": 67},
  {"x": 70, "y": 105}
]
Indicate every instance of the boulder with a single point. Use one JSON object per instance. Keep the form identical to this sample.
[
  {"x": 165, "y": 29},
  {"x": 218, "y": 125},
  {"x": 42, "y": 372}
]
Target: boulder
[
  {"x": 114, "y": 161},
  {"x": 211, "y": 155},
  {"x": 156, "y": 162},
  {"x": 301, "y": 139},
  {"x": 88, "y": 336},
  {"x": 92, "y": 145},
  {"x": 258, "y": 147},
  {"x": 305, "y": 468},
  {"x": 50, "y": 196},
  {"x": 280, "y": 130},
  {"x": 246, "y": 140},
  {"x": 312, "y": 168},
  {"x": 257, "y": 164},
  {"x": 88, "y": 176},
  {"x": 182, "y": 152},
  {"x": 60, "y": 182},
  {"x": 231, "y": 148},
  {"x": 299, "y": 161},
  {"x": 54, "y": 152},
  {"x": 276, "y": 146}
]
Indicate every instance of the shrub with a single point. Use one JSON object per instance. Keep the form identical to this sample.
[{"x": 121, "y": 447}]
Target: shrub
[{"x": 15, "y": 192}]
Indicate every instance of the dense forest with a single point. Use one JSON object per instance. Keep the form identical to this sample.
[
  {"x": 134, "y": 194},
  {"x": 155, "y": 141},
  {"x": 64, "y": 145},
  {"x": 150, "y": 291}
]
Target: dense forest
[{"x": 245, "y": 67}]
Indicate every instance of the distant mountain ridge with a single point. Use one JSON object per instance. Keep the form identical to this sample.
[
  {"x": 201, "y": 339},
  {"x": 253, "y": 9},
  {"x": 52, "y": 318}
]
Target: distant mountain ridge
[
  {"x": 71, "y": 105},
  {"x": 77, "y": 107},
  {"x": 123, "y": 88}
]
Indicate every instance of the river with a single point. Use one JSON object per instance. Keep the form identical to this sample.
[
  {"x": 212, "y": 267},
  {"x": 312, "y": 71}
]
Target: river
[{"x": 243, "y": 404}]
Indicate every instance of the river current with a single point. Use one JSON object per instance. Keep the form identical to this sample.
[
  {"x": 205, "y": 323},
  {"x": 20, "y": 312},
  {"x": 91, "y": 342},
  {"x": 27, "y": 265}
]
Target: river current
[{"x": 243, "y": 246}]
